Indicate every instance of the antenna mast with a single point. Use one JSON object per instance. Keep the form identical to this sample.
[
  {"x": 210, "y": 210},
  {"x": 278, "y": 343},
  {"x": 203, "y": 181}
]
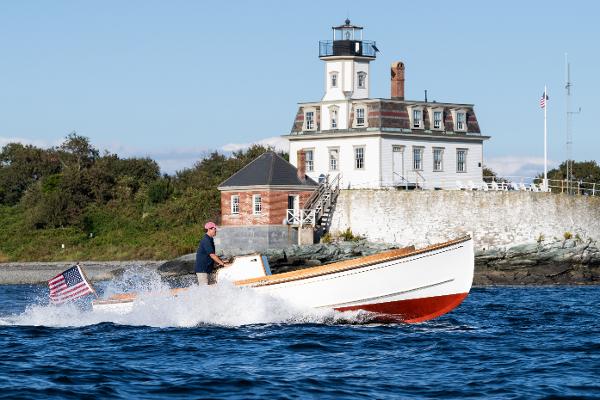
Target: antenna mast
[
  {"x": 569, "y": 134},
  {"x": 568, "y": 86}
]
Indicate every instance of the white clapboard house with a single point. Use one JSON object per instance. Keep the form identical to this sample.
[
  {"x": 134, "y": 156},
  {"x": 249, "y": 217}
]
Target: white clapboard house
[{"x": 377, "y": 142}]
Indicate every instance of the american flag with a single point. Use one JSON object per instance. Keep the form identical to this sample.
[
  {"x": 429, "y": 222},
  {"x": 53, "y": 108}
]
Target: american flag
[
  {"x": 69, "y": 285},
  {"x": 543, "y": 100}
]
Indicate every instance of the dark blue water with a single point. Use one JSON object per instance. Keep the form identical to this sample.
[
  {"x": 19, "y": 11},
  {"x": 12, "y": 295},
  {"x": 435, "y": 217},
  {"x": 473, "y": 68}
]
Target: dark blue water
[{"x": 536, "y": 342}]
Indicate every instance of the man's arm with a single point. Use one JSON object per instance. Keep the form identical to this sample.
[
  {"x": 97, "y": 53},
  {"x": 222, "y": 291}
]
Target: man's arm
[{"x": 217, "y": 260}]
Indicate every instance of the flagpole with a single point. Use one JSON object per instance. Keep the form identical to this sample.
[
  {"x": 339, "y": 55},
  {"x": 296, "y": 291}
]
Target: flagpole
[{"x": 545, "y": 139}]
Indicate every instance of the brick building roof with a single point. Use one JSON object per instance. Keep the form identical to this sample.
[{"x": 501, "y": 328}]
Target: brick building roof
[{"x": 269, "y": 169}]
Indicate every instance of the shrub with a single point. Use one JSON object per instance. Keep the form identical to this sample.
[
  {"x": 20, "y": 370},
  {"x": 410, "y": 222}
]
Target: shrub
[
  {"x": 567, "y": 235},
  {"x": 326, "y": 238},
  {"x": 348, "y": 236},
  {"x": 159, "y": 191},
  {"x": 541, "y": 238}
]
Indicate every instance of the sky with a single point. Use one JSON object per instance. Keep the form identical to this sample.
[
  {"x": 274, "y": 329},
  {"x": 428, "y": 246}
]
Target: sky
[{"x": 174, "y": 80}]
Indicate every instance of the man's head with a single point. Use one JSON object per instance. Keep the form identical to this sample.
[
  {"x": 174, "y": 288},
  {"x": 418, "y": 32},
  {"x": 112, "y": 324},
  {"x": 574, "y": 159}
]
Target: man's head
[{"x": 210, "y": 228}]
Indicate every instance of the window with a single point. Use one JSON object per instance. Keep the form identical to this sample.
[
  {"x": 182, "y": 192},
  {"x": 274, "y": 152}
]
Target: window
[
  {"x": 359, "y": 157},
  {"x": 360, "y": 116},
  {"x": 333, "y": 116},
  {"x": 461, "y": 160},
  {"x": 460, "y": 121},
  {"x": 417, "y": 118},
  {"x": 333, "y": 159},
  {"x": 438, "y": 154},
  {"x": 257, "y": 204},
  {"x": 362, "y": 80},
  {"x": 235, "y": 204},
  {"x": 437, "y": 120},
  {"x": 310, "y": 160},
  {"x": 418, "y": 158},
  {"x": 334, "y": 78},
  {"x": 309, "y": 120}
]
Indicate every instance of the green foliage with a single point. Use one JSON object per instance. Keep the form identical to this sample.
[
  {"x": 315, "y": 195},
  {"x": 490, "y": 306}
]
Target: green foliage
[
  {"x": 348, "y": 235},
  {"x": 21, "y": 166},
  {"x": 567, "y": 235},
  {"x": 160, "y": 190},
  {"x": 490, "y": 175},
  {"x": 326, "y": 238},
  {"x": 585, "y": 171},
  {"x": 541, "y": 238},
  {"x": 53, "y": 196}
]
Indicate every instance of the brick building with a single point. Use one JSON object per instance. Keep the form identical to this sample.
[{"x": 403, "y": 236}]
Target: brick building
[{"x": 256, "y": 203}]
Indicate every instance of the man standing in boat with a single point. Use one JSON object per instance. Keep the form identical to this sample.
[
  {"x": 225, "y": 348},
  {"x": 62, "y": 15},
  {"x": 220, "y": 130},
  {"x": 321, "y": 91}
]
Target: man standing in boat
[{"x": 206, "y": 257}]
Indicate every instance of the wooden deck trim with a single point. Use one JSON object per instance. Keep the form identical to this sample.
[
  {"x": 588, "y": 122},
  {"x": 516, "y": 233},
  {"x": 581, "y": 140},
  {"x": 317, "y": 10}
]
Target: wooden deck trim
[{"x": 346, "y": 264}]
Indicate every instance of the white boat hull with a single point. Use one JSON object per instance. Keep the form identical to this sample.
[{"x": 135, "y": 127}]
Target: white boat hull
[{"x": 413, "y": 287}]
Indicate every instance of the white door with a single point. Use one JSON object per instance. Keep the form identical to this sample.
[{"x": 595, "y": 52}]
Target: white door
[{"x": 398, "y": 164}]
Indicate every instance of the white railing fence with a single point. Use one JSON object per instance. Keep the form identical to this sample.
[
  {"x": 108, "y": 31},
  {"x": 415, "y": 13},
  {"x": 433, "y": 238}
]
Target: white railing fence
[{"x": 301, "y": 217}]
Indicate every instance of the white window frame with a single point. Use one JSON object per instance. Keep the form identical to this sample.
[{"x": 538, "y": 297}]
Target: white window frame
[
  {"x": 433, "y": 111},
  {"x": 309, "y": 162},
  {"x": 333, "y": 79},
  {"x": 235, "y": 201},
  {"x": 256, "y": 204},
  {"x": 313, "y": 126},
  {"x": 421, "y": 151},
  {"x": 355, "y": 123},
  {"x": 361, "y": 77},
  {"x": 411, "y": 115},
  {"x": 455, "y": 114},
  {"x": 332, "y": 160},
  {"x": 439, "y": 168},
  {"x": 464, "y": 162},
  {"x": 359, "y": 150},
  {"x": 334, "y": 122}
]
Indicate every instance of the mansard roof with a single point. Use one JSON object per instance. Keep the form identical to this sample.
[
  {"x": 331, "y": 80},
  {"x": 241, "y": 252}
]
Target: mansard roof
[
  {"x": 392, "y": 114},
  {"x": 269, "y": 169}
]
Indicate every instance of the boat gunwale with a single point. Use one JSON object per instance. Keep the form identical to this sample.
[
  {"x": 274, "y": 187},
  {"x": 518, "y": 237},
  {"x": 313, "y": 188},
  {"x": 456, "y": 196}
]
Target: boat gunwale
[{"x": 332, "y": 268}]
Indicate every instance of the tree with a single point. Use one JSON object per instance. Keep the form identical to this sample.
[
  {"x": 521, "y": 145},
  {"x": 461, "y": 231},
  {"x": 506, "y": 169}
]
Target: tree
[
  {"x": 490, "y": 175},
  {"x": 77, "y": 152},
  {"x": 21, "y": 166},
  {"x": 584, "y": 171}
]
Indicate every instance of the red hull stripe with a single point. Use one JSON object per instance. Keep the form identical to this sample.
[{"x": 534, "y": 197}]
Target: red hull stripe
[{"x": 413, "y": 310}]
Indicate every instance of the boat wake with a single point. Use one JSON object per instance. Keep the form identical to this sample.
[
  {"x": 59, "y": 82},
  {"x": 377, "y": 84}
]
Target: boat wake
[{"x": 219, "y": 305}]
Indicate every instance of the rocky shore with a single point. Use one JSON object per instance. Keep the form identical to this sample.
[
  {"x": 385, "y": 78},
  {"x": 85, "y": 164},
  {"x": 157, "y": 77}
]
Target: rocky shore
[{"x": 571, "y": 261}]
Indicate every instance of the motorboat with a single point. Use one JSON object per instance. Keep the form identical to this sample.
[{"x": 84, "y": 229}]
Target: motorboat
[{"x": 407, "y": 284}]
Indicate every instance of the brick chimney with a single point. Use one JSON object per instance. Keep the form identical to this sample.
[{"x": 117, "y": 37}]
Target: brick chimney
[
  {"x": 301, "y": 165},
  {"x": 398, "y": 80}
]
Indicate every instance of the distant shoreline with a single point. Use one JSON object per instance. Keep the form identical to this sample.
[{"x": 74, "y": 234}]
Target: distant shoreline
[{"x": 15, "y": 273}]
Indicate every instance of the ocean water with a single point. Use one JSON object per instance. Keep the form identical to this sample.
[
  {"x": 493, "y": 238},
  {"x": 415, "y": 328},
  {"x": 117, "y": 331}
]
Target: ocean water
[{"x": 223, "y": 342}]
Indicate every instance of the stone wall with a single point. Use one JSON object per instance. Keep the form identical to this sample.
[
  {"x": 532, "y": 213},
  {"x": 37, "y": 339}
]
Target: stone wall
[
  {"x": 496, "y": 218},
  {"x": 235, "y": 240}
]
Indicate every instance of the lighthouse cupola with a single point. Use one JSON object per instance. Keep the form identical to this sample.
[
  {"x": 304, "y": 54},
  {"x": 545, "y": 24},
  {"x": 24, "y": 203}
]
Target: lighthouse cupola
[{"x": 347, "y": 57}]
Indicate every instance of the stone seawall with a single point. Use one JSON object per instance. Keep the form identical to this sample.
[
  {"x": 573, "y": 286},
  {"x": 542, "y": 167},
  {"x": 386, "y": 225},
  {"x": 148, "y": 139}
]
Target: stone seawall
[{"x": 496, "y": 219}]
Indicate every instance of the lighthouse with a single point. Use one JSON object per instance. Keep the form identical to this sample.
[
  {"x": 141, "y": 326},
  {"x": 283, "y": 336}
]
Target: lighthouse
[
  {"x": 347, "y": 57},
  {"x": 375, "y": 142}
]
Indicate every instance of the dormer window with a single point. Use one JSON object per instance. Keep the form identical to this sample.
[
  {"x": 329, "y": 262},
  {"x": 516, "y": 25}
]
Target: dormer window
[
  {"x": 460, "y": 120},
  {"x": 437, "y": 120},
  {"x": 362, "y": 80},
  {"x": 309, "y": 119},
  {"x": 417, "y": 118},
  {"x": 334, "y": 79},
  {"x": 359, "y": 116},
  {"x": 415, "y": 115}
]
